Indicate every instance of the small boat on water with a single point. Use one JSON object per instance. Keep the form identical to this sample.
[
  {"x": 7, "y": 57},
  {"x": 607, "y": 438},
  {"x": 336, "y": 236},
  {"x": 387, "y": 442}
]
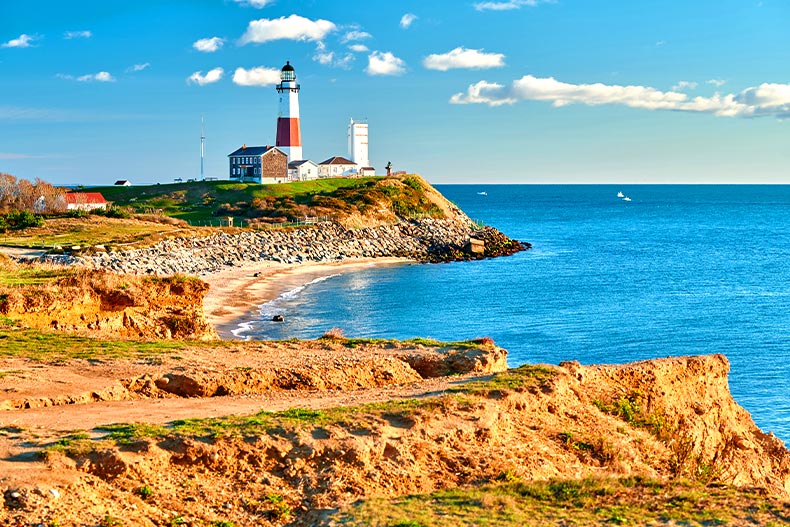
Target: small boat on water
[
  {"x": 620, "y": 195},
  {"x": 626, "y": 198},
  {"x": 482, "y": 193}
]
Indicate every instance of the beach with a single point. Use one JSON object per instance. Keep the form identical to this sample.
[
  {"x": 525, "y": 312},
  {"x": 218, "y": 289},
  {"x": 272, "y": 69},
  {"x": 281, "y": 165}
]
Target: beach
[{"x": 236, "y": 292}]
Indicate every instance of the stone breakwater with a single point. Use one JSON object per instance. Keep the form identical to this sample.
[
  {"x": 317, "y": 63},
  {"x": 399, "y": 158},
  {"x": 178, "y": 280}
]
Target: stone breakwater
[{"x": 427, "y": 240}]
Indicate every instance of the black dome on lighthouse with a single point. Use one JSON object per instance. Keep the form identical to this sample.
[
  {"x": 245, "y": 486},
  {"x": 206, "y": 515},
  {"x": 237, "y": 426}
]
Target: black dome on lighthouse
[{"x": 287, "y": 66}]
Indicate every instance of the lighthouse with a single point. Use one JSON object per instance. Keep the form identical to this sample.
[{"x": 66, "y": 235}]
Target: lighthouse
[{"x": 289, "y": 136}]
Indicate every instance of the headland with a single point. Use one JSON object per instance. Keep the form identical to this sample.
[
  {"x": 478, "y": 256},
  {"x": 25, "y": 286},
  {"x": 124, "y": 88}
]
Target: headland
[{"x": 121, "y": 405}]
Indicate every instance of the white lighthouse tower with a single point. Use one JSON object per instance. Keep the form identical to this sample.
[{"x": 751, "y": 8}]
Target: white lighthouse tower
[
  {"x": 358, "y": 142},
  {"x": 289, "y": 135}
]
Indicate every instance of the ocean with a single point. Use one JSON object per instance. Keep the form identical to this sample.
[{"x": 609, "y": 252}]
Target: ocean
[{"x": 678, "y": 270}]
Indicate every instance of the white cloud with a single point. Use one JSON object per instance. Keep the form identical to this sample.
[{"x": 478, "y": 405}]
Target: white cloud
[
  {"x": 660, "y": 43},
  {"x": 716, "y": 82},
  {"x": 208, "y": 45},
  {"x": 384, "y": 63},
  {"x": 330, "y": 58},
  {"x": 102, "y": 76},
  {"x": 257, "y": 4},
  {"x": 24, "y": 41},
  {"x": 464, "y": 58},
  {"x": 68, "y": 35},
  {"x": 509, "y": 5},
  {"x": 293, "y": 27},
  {"x": 138, "y": 67},
  {"x": 483, "y": 92},
  {"x": 764, "y": 100},
  {"x": 210, "y": 77},
  {"x": 358, "y": 48},
  {"x": 259, "y": 76},
  {"x": 351, "y": 36},
  {"x": 407, "y": 20},
  {"x": 685, "y": 85}
]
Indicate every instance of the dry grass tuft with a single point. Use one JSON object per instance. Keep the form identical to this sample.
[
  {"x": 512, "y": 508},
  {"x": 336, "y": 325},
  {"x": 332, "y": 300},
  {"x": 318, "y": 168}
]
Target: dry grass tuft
[{"x": 333, "y": 334}]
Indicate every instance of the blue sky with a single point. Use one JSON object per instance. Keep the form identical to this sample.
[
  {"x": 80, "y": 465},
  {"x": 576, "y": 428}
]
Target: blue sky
[{"x": 461, "y": 91}]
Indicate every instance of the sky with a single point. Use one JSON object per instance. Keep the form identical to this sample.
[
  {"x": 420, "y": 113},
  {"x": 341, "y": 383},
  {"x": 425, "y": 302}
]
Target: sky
[{"x": 460, "y": 91}]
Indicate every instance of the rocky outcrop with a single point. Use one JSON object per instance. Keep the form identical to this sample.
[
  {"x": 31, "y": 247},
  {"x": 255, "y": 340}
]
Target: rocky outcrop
[{"x": 429, "y": 240}]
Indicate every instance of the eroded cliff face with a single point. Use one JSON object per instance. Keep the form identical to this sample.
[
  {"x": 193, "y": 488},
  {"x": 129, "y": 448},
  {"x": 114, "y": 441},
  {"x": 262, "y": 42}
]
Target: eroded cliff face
[
  {"x": 686, "y": 402},
  {"x": 662, "y": 419},
  {"x": 104, "y": 304}
]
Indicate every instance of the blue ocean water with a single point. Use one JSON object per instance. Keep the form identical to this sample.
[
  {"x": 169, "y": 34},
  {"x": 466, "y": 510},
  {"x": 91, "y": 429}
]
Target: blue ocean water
[{"x": 678, "y": 270}]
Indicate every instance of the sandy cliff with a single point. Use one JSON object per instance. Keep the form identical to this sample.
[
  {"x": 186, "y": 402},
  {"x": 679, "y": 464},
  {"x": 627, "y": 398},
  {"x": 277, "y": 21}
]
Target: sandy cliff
[{"x": 663, "y": 419}]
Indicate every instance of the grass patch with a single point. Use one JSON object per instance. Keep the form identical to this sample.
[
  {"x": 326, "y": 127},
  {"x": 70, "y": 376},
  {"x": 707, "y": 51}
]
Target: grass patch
[
  {"x": 91, "y": 231},
  {"x": 516, "y": 379},
  {"x": 629, "y": 501},
  {"x": 51, "y": 346}
]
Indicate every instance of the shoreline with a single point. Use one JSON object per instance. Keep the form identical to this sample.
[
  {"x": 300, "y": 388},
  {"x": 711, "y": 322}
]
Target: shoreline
[{"x": 235, "y": 293}]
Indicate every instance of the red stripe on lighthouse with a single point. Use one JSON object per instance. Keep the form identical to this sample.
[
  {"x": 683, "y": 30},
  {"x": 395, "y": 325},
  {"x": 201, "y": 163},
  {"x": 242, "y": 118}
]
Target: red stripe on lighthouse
[{"x": 288, "y": 133}]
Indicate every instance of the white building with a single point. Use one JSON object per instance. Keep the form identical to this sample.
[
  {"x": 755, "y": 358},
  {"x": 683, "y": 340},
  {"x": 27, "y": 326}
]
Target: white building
[
  {"x": 304, "y": 170},
  {"x": 358, "y": 142},
  {"x": 338, "y": 167}
]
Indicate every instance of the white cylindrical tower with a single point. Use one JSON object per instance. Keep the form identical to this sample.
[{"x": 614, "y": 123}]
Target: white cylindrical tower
[
  {"x": 289, "y": 135},
  {"x": 358, "y": 142}
]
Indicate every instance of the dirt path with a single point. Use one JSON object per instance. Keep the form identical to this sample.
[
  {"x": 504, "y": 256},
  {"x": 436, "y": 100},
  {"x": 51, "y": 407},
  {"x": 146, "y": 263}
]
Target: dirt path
[{"x": 57, "y": 420}]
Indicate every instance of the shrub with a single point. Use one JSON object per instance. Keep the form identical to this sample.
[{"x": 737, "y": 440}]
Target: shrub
[
  {"x": 76, "y": 213},
  {"x": 116, "y": 212},
  {"x": 20, "y": 219}
]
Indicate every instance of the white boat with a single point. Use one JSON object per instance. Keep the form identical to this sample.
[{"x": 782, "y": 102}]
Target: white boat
[
  {"x": 620, "y": 195},
  {"x": 626, "y": 198},
  {"x": 482, "y": 193}
]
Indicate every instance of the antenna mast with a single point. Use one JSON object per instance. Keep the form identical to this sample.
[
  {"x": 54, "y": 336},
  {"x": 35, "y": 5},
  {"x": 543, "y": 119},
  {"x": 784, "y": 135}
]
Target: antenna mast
[{"x": 202, "y": 144}]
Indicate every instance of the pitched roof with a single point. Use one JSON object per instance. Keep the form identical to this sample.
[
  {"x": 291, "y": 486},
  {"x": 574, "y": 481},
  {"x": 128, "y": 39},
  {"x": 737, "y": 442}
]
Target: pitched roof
[
  {"x": 254, "y": 150},
  {"x": 337, "y": 160},
  {"x": 294, "y": 164},
  {"x": 84, "y": 198}
]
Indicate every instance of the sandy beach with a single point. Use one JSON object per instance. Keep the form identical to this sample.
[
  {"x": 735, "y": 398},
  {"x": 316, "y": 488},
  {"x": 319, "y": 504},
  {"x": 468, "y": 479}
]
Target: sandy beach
[{"x": 237, "y": 292}]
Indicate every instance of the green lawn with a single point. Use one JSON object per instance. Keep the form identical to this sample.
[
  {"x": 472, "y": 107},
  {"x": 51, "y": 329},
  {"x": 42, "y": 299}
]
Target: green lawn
[{"x": 196, "y": 201}]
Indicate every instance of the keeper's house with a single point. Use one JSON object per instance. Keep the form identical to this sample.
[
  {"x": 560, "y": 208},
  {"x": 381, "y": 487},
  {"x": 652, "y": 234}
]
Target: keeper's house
[{"x": 258, "y": 164}]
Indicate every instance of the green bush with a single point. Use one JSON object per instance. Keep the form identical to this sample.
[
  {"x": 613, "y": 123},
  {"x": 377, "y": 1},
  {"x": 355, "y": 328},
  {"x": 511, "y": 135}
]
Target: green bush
[
  {"x": 116, "y": 212},
  {"x": 20, "y": 219}
]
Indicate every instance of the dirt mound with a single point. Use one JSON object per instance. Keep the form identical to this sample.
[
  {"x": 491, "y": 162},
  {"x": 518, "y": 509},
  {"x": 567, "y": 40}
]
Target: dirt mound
[
  {"x": 105, "y": 304},
  {"x": 660, "y": 419}
]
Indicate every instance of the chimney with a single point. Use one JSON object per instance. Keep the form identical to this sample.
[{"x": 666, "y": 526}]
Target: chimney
[{"x": 244, "y": 146}]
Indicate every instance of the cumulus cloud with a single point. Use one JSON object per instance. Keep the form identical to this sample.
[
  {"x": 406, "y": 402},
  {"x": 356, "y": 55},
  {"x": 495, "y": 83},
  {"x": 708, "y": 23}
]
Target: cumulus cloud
[
  {"x": 407, "y": 20},
  {"x": 259, "y": 76},
  {"x": 24, "y": 41},
  {"x": 257, "y": 4},
  {"x": 138, "y": 67},
  {"x": 764, "y": 100},
  {"x": 209, "y": 78},
  {"x": 358, "y": 48},
  {"x": 685, "y": 85},
  {"x": 69, "y": 35},
  {"x": 351, "y": 36},
  {"x": 102, "y": 76},
  {"x": 208, "y": 45},
  {"x": 465, "y": 59},
  {"x": 509, "y": 5},
  {"x": 716, "y": 82},
  {"x": 483, "y": 92},
  {"x": 293, "y": 27},
  {"x": 385, "y": 63},
  {"x": 330, "y": 58}
]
